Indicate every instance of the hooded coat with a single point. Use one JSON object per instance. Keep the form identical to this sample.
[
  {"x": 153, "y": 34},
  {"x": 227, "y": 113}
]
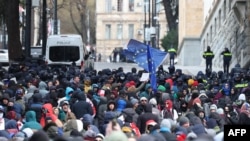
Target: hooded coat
[
  {"x": 31, "y": 121},
  {"x": 81, "y": 107},
  {"x": 48, "y": 113},
  {"x": 143, "y": 118}
]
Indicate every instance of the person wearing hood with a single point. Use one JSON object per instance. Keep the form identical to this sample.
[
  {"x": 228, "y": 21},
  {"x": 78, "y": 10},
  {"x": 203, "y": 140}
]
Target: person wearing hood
[
  {"x": 88, "y": 123},
  {"x": 85, "y": 107},
  {"x": 30, "y": 91},
  {"x": 19, "y": 101},
  {"x": 36, "y": 105},
  {"x": 122, "y": 101},
  {"x": 101, "y": 111},
  {"x": 233, "y": 94},
  {"x": 165, "y": 130},
  {"x": 196, "y": 126},
  {"x": 49, "y": 116},
  {"x": 31, "y": 122},
  {"x": 155, "y": 109},
  {"x": 11, "y": 127},
  {"x": 169, "y": 111},
  {"x": 129, "y": 111},
  {"x": 42, "y": 86},
  {"x": 143, "y": 118},
  {"x": 147, "y": 92},
  {"x": 4, "y": 102},
  {"x": 231, "y": 117}
]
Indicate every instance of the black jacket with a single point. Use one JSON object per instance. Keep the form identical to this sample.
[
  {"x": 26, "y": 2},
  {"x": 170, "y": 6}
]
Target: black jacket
[{"x": 81, "y": 107}]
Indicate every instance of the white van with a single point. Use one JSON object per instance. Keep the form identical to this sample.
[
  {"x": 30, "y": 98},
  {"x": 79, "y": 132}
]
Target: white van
[{"x": 64, "y": 49}]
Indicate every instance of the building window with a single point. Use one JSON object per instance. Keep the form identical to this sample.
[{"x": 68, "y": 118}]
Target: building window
[
  {"x": 224, "y": 10},
  {"x": 131, "y": 5},
  {"x": 108, "y": 6},
  {"x": 119, "y": 31},
  {"x": 119, "y": 5},
  {"x": 219, "y": 19},
  {"x": 130, "y": 31},
  {"x": 108, "y": 31}
]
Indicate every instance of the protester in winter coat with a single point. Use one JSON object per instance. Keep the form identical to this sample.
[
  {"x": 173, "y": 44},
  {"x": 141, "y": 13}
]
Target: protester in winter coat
[
  {"x": 49, "y": 116},
  {"x": 169, "y": 111},
  {"x": 143, "y": 118},
  {"x": 85, "y": 106},
  {"x": 31, "y": 122}
]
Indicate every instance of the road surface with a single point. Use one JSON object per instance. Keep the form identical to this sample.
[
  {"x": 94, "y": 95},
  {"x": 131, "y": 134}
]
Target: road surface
[{"x": 192, "y": 70}]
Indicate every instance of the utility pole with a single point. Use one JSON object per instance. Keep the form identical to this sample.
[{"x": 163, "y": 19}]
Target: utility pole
[
  {"x": 28, "y": 28},
  {"x": 44, "y": 33},
  {"x": 145, "y": 21},
  {"x": 153, "y": 28},
  {"x": 149, "y": 19},
  {"x": 55, "y": 17}
]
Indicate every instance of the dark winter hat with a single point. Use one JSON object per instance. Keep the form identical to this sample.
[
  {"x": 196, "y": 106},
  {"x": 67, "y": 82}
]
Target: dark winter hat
[
  {"x": 39, "y": 136},
  {"x": 183, "y": 120},
  {"x": 134, "y": 101}
]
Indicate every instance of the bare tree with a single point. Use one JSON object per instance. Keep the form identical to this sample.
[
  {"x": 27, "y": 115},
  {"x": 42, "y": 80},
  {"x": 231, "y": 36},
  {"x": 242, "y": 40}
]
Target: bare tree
[
  {"x": 12, "y": 22},
  {"x": 80, "y": 5},
  {"x": 171, "y": 12}
]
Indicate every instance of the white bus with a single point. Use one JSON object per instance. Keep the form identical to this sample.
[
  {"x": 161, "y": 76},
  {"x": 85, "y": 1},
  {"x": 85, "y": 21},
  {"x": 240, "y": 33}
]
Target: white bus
[{"x": 65, "y": 49}]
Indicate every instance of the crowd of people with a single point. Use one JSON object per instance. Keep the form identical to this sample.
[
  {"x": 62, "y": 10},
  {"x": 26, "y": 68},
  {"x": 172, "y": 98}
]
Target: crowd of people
[{"x": 40, "y": 103}]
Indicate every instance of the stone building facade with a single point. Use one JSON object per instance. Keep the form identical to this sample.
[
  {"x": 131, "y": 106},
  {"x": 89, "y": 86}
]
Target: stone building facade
[
  {"x": 120, "y": 20},
  {"x": 226, "y": 24}
]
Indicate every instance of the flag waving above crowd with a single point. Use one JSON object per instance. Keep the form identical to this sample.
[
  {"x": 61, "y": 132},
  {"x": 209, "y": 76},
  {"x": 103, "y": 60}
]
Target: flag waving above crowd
[
  {"x": 137, "y": 51},
  {"x": 146, "y": 57}
]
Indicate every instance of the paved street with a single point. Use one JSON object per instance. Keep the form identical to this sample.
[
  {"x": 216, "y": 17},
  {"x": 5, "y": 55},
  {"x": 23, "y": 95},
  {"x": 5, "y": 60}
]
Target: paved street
[{"x": 193, "y": 70}]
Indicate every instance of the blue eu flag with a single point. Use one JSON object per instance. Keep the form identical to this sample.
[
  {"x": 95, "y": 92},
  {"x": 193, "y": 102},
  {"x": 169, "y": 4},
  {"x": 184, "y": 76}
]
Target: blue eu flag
[
  {"x": 138, "y": 52},
  {"x": 146, "y": 57}
]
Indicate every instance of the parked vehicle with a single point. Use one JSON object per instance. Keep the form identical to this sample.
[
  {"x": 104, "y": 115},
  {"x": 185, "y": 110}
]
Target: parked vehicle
[
  {"x": 65, "y": 49},
  {"x": 4, "y": 57}
]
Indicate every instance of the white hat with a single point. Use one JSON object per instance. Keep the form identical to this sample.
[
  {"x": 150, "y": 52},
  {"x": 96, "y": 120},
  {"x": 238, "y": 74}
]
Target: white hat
[
  {"x": 153, "y": 101},
  {"x": 213, "y": 107},
  {"x": 220, "y": 111},
  {"x": 242, "y": 97}
]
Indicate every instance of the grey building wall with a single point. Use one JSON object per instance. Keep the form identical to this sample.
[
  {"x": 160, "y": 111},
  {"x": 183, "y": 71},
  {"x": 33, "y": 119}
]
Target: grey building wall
[
  {"x": 189, "y": 54},
  {"x": 228, "y": 25}
]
